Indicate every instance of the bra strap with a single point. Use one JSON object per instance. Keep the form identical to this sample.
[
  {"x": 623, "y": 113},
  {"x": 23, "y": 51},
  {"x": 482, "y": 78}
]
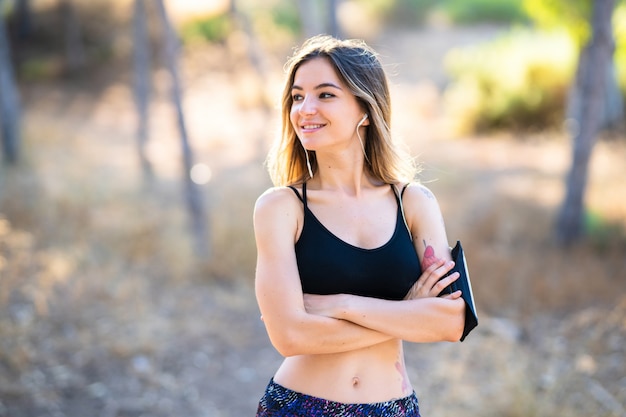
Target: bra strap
[
  {"x": 300, "y": 197},
  {"x": 304, "y": 194},
  {"x": 399, "y": 196}
]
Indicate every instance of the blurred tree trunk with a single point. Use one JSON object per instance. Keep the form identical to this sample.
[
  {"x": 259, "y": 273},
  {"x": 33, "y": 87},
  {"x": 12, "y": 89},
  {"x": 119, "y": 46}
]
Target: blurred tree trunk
[
  {"x": 192, "y": 192},
  {"x": 24, "y": 18},
  {"x": 254, "y": 50},
  {"x": 319, "y": 17},
  {"x": 9, "y": 98},
  {"x": 255, "y": 56},
  {"x": 141, "y": 53},
  {"x": 310, "y": 18},
  {"x": 333, "y": 23},
  {"x": 593, "y": 69},
  {"x": 74, "y": 48},
  {"x": 613, "y": 110}
]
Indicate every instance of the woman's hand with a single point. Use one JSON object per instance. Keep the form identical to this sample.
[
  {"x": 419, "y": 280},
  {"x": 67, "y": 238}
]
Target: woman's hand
[{"x": 430, "y": 283}]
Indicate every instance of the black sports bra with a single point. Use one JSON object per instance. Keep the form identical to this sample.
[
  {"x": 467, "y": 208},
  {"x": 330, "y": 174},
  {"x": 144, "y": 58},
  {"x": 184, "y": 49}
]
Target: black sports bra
[{"x": 329, "y": 265}]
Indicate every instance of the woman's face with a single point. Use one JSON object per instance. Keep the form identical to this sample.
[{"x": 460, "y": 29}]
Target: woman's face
[{"x": 324, "y": 112}]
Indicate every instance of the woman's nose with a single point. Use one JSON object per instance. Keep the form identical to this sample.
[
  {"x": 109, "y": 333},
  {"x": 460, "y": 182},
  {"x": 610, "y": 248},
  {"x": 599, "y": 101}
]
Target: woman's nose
[{"x": 307, "y": 106}]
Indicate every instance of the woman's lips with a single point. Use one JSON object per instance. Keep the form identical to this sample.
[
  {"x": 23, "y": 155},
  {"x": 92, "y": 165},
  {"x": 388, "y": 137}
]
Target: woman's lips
[{"x": 311, "y": 127}]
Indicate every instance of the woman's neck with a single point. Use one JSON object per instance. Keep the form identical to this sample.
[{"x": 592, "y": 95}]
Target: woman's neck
[{"x": 346, "y": 175}]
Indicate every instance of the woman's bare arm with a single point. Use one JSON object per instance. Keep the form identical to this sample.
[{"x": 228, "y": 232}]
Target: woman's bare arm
[
  {"x": 422, "y": 320},
  {"x": 293, "y": 330},
  {"x": 422, "y": 316}
]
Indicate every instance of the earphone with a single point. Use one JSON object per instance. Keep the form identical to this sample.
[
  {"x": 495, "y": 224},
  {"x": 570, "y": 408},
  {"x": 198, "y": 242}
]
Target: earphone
[{"x": 358, "y": 125}]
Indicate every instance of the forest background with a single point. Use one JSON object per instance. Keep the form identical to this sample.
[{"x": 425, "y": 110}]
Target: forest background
[{"x": 126, "y": 245}]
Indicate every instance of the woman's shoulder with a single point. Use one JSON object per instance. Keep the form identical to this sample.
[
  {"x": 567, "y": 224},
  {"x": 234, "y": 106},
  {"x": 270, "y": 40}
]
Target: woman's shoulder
[
  {"x": 421, "y": 208},
  {"x": 415, "y": 191},
  {"x": 276, "y": 199},
  {"x": 277, "y": 212},
  {"x": 418, "y": 199}
]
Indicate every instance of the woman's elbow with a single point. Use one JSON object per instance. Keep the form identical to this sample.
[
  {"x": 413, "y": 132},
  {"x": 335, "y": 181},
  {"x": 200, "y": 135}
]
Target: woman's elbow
[
  {"x": 285, "y": 348},
  {"x": 286, "y": 343},
  {"x": 457, "y": 321}
]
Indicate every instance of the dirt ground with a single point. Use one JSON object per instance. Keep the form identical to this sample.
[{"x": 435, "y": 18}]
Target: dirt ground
[{"x": 105, "y": 314}]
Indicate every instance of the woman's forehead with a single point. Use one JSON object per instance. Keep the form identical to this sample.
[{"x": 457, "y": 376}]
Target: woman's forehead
[{"x": 316, "y": 70}]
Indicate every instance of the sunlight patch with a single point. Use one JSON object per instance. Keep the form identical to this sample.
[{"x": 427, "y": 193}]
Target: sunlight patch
[{"x": 200, "y": 174}]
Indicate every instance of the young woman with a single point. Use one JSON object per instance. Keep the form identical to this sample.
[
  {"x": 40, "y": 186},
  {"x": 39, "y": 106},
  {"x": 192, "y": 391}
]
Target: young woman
[{"x": 351, "y": 254}]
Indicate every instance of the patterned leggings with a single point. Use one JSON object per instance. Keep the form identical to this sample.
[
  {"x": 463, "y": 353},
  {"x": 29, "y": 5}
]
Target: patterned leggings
[{"x": 279, "y": 401}]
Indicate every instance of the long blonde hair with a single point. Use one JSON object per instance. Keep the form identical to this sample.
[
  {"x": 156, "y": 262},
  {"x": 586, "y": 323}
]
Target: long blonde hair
[{"x": 358, "y": 67}]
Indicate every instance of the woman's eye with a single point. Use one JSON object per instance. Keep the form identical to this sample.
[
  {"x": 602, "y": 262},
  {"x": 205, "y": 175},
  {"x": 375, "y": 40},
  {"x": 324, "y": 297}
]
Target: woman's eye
[
  {"x": 296, "y": 97},
  {"x": 326, "y": 95}
]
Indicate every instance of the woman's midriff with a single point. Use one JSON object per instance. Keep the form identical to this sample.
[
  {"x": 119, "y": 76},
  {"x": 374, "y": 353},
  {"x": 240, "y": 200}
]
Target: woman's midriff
[{"x": 373, "y": 374}]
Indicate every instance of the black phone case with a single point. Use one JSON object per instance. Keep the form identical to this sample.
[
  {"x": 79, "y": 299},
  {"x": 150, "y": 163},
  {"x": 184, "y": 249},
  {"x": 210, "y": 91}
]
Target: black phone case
[{"x": 464, "y": 284}]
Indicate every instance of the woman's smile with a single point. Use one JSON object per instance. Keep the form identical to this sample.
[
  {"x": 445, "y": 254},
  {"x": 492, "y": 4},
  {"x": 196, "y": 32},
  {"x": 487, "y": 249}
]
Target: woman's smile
[{"x": 311, "y": 127}]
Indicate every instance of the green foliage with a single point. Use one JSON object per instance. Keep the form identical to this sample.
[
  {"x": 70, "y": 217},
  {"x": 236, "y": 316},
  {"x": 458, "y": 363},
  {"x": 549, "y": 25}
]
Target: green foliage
[
  {"x": 274, "y": 21},
  {"x": 410, "y": 12},
  {"x": 572, "y": 15},
  {"x": 518, "y": 81},
  {"x": 602, "y": 232},
  {"x": 474, "y": 11},
  {"x": 211, "y": 28},
  {"x": 619, "y": 27},
  {"x": 40, "y": 68},
  {"x": 271, "y": 19},
  {"x": 285, "y": 16}
]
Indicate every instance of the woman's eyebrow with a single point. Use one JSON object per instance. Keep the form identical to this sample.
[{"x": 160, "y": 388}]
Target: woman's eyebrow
[{"x": 322, "y": 85}]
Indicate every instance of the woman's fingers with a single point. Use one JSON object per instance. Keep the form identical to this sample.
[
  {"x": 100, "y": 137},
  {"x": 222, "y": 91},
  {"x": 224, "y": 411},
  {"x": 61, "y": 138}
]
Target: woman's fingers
[
  {"x": 430, "y": 283},
  {"x": 453, "y": 296},
  {"x": 434, "y": 276},
  {"x": 444, "y": 282}
]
